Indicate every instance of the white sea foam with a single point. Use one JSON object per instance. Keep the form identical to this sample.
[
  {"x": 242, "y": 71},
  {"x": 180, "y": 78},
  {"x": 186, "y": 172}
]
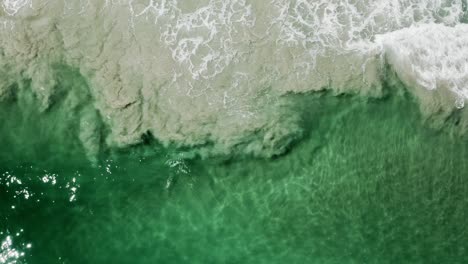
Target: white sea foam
[
  {"x": 12, "y": 7},
  {"x": 195, "y": 72},
  {"x": 431, "y": 57}
]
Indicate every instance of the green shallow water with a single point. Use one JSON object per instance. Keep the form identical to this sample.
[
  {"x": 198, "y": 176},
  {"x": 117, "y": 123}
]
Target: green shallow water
[{"x": 370, "y": 183}]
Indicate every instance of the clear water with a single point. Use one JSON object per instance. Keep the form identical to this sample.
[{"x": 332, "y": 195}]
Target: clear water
[{"x": 371, "y": 182}]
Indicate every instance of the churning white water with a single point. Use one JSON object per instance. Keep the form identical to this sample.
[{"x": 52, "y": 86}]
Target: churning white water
[{"x": 216, "y": 71}]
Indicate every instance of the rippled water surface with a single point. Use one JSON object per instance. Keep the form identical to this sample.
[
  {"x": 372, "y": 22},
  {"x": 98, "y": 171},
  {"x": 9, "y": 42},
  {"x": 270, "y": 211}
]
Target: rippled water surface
[
  {"x": 233, "y": 131},
  {"x": 370, "y": 183}
]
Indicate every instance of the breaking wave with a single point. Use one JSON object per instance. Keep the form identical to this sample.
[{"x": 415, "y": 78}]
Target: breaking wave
[{"x": 215, "y": 74}]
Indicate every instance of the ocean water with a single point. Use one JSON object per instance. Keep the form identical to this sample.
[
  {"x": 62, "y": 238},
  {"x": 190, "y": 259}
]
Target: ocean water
[
  {"x": 233, "y": 131},
  {"x": 371, "y": 182}
]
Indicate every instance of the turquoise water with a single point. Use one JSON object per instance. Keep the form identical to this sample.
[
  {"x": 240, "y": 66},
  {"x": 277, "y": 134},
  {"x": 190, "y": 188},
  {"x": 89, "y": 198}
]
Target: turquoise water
[{"x": 370, "y": 182}]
